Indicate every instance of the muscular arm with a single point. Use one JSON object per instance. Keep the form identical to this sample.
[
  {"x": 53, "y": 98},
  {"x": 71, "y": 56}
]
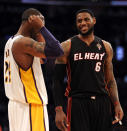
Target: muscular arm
[
  {"x": 40, "y": 38},
  {"x": 32, "y": 47},
  {"x": 109, "y": 76},
  {"x": 111, "y": 83},
  {"x": 66, "y": 48},
  {"x": 24, "y": 49},
  {"x": 60, "y": 70}
]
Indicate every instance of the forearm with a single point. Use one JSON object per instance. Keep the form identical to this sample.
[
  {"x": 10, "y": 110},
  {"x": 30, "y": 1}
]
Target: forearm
[
  {"x": 58, "y": 93},
  {"x": 59, "y": 74},
  {"x": 113, "y": 92},
  {"x": 53, "y": 47}
]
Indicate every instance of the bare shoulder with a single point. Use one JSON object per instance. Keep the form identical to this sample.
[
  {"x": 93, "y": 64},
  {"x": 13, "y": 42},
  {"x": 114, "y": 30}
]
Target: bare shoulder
[
  {"x": 24, "y": 41},
  {"x": 21, "y": 44},
  {"x": 108, "y": 48},
  {"x": 29, "y": 46},
  {"x": 66, "y": 45}
]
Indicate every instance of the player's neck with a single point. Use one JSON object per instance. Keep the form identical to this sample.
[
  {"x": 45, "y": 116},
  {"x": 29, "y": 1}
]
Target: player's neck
[
  {"x": 87, "y": 39},
  {"x": 22, "y": 31}
]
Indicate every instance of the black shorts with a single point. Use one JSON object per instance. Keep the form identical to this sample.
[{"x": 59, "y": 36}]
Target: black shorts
[{"x": 90, "y": 114}]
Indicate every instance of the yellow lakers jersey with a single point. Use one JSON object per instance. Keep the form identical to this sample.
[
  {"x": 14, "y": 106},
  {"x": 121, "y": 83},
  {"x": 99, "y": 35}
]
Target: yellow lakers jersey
[{"x": 20, "y": 85}]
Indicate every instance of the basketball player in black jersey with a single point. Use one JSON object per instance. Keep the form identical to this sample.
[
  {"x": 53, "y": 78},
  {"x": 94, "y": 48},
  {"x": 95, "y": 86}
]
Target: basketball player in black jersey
[{"x": 91, "y": 82}]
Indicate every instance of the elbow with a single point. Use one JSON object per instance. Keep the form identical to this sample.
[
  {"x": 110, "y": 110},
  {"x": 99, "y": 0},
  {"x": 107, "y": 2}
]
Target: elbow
[
  {"x": 60, "y": 52},
  {"x": 53, "y": 52}
]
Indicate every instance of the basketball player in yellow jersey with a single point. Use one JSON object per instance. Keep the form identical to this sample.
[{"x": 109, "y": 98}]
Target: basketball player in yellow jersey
[{"x": 23, "y": 77}]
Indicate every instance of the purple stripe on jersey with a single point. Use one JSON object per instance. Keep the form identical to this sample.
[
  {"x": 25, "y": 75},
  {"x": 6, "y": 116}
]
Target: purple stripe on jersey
[
  {"x": 36, "y": 85},
  {"x": 23, "y": 87},
  {"x": 30, "y": 117},
  {"x": 44, "y": 118}
]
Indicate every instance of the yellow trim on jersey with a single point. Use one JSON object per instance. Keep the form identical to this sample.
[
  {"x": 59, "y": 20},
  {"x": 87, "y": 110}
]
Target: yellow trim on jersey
[
  {"x": 37, "y": 118},
  {"x": 30, "y": 88}
]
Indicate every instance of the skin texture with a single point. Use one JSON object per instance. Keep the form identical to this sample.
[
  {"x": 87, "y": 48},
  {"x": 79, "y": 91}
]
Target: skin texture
[
  {"x": 31, "y": 44},
  {"x": 85, "y": 22}
]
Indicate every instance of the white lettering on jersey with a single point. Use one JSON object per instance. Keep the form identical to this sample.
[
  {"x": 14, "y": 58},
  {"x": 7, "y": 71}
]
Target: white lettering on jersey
[
  {"x": 80, "y": 56},
  {"x": 92, "y": 56},
  {"x": 88, "y": 56},
  {"x": 76, "y": 57},
  {"x": 97, "y": 56},
  {"x": 101, "y": 56}
]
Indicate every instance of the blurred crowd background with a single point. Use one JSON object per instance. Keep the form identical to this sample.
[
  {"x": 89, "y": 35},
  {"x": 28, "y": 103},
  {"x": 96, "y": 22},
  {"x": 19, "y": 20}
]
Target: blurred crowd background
[{"x": 60, "y": 20}]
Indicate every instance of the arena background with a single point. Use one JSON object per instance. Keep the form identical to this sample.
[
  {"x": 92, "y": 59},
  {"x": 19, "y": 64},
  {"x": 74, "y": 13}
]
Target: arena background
[{"x": 60, "y": 20}]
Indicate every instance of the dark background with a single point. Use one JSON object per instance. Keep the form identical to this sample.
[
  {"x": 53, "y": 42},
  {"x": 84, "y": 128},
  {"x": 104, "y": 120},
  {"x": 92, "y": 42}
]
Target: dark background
[{"x": 60, "y": 20}]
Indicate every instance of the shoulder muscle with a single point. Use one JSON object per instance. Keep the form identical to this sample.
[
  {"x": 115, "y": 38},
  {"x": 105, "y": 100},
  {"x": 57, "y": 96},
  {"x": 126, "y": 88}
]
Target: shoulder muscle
[
  {"x": 109, "y": 49},
  {"x": 29, "y": 46},
  {"x": 66, "y": 45}
]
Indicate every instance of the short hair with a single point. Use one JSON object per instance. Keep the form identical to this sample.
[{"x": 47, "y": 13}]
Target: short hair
[
  {"x": 85, "y": 10},
  {"x": 29, "y": 12}
]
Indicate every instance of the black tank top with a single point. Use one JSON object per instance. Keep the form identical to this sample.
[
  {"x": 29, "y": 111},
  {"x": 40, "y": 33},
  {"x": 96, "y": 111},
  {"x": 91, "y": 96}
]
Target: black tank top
[{"x": 86, "y": 67}]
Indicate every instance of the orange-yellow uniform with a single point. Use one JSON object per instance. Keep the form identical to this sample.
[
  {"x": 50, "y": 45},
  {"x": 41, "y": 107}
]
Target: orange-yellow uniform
[{"x": 26, "y": 92}]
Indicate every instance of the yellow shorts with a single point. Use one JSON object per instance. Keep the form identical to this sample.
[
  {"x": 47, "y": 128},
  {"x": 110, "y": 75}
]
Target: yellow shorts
[{"x": 27, "y": 117}]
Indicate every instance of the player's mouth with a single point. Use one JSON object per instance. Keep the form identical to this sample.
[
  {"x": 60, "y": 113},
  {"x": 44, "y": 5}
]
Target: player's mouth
[{"x": 84, "y": 28}]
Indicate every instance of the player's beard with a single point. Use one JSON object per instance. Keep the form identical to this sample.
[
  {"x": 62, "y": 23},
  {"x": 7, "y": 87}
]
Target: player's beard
[{"x": 88, "y": 32}]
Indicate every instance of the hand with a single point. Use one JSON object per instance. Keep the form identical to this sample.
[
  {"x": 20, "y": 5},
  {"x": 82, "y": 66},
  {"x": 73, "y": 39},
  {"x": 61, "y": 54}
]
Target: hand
[
  {"x": 118, "y": 113},
  {"x": 39, "y": 37},
  {"x": 61, "y": 120},
  {"x": 36, "y": 22}
]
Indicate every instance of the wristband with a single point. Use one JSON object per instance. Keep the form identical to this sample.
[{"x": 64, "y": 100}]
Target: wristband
[
  {"x": 58, "y": 108},
  {"x": 116, "y": 103}
]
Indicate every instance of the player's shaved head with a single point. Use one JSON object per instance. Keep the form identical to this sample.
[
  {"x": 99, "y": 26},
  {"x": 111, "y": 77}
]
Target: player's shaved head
[{"x": 29, "y": 12}]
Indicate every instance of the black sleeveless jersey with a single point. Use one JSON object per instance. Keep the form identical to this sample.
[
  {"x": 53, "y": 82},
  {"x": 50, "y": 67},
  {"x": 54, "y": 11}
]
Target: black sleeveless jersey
[{"x": 86, "y": 67}]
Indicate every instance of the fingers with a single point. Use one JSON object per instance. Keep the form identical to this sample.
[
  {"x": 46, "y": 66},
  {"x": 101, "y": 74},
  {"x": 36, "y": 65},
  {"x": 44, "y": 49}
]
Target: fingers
[
  {"x": 65, "y": 122},
  {"x": 64, "y": 128},
  {"x": 61, "y": 126},
  {"x": 36, "y": 23},
  {"x": 33, "y": 17},
  {"x": 61, "y": 120},
  {"x": 117, "y": 120},
  {"x": 120, "y": 115}
]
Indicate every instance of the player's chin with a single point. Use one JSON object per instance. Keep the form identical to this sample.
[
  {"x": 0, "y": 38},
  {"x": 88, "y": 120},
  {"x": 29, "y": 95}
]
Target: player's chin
[{"x": 84, "y": 33}]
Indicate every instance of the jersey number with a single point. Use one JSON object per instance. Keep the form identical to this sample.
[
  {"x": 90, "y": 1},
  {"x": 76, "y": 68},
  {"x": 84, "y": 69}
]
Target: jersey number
[
  {"x": 7, "y": 70},
  {"x": 98, "y": 66}
]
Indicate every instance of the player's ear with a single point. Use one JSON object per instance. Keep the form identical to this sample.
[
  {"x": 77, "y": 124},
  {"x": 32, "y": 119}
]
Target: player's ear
[
  {"x": 94, "y": 20},
  {"x": 30, "y": 18}
]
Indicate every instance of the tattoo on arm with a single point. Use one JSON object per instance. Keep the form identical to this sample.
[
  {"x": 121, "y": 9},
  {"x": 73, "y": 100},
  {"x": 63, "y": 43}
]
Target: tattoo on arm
[
  {"x": 112, "y": 87},
  {"x": 37, "y": 46},
  {"x": 111, "y": 82}
]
